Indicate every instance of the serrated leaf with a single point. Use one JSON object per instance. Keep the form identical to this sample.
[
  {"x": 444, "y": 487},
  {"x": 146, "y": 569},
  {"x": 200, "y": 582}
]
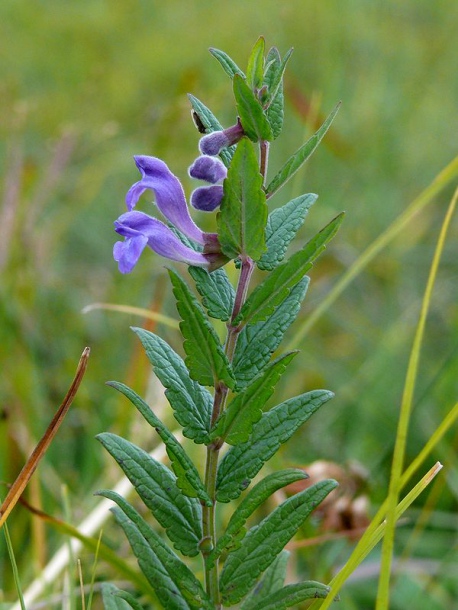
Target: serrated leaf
[
  {"x": 274, "y": 100},
  {"x": 115, "y": 599},
  {"x": 210, "y": 123},
  {"x": 243, "y": 462},
  {"x": 188, "y": 479},
  {"x": 176, "y": 586},
  {"x": 257, "y": 342},
  {"x": 300, "y": 156},
  {"x": 206, "y": 361},
  {"x": 191, "y": 403},
  {"x": 236, "y": 422},
  {"x": 291, "y": 595},
  {"x": 228, "y": 64},
  {"x": 216, "y": 291},
  {"x": 255, "y": 70},
  {"x": 254, "y": 122},
  {"x": 253, "y": 500},
  {"x": 268, "y": 295},
  {"x": 272, "y": 580},
  {"x": 282, "y": 225},
  {"x": 242, "y": 216},
  {"x": 264, "y": 542},
  {"x": 179, "y": 515}
]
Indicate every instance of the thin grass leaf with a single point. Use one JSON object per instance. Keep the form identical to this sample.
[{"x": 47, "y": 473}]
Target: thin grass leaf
[
  {"x": 216, "y": 291},
  {"x": 300, "y": 156},
  {"x": 282, "y": 225},
  {"x": 179, "y": 515},
  {"x": 206, "y": 360},
  {"x": 383, "y": 594},
  {"x": 236, "y": 422},
  {"x": 446, "y": 176},
  {"x": 14, "y": 568},
  {"x": 175, "y": 585},
  {"x": 243, "y": 462},
  {"x": 372, "y": 536},
  {"x": 276, "y": 287},
  {"x": 188, "y": 479},
  {"x": 264, "y": 542},
  {"x": 242, "y": 217},
  {"x": 228, "y": 64},
  {"x": 252, "y": 501},
  {"x": 272, "y": 580},
  {"x": 257, "y": 342},
  {"x": 191, "y": 402},
  {"x": 254, "y": 121}
]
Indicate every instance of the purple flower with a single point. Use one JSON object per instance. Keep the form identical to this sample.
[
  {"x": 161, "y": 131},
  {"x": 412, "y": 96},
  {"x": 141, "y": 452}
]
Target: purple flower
[
  {"x": 141, "y": 230},
  {"x": 214, "y": 142},
  {"x": 213, "y": 170}
]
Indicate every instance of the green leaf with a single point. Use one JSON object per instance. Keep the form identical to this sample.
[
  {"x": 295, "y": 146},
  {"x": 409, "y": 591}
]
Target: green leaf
[
  {"x": 236, "y": 422},
  {"x": 272, "y": 581},
  {"x": 273, "y": 80},
  {"x": 264, "y": 542},
  {"x": 254, "y": 122},
  {"x": 243, "y": 462},
  {"x": 191, "y": 403},
  {"x": 253, "y": 500},
  {"x": 176, "y": 586},
  {"x": 291, "y": 595},
  {"x": 115, "y": 599},
  {"x": 210, "y": 123},
  {"x": 188, "y": 479},
  {"x": 179, "y": 515},
  {"x": 256, "y": 65},
  {"x": 206, "y": 360},
  {"x": 228, "y": 64},
  {"x": 216, "y": 291},
  {"x": 268, "y": 295},
  {"x": 257, "y": 342},
  {"x": 242, "y": 217},
  {"x": 300, "y": 156},
  {"x": 282, "y": 225}
]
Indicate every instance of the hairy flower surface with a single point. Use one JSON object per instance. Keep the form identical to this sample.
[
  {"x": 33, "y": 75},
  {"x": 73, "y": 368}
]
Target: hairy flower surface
[
  {"x": 141, "y": 230},
  {"x": 212, "y": 170}
]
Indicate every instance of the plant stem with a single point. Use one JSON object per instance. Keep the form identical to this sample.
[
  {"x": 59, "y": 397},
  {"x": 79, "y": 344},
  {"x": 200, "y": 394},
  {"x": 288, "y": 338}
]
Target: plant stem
[{"x": 219, "y": 402}]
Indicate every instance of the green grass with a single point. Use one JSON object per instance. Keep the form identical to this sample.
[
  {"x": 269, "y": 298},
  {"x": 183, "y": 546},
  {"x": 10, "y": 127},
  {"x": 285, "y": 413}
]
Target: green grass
[{"x": 86, "y": 85}]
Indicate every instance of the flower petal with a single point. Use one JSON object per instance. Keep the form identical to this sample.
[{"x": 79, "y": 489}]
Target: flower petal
[
  {"x": 210, "y": 169},
  {"x": 141, "y": 230},
  {"x": 169, "y": 194},
  {"x": 207, "y": 198}
]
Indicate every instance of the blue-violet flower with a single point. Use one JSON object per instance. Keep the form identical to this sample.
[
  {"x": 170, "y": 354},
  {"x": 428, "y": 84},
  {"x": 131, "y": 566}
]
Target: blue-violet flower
[
  {"x": 141, "y": 230},
  {"x": 214, "y": 142},
  {"x": 212, "y": 170}
]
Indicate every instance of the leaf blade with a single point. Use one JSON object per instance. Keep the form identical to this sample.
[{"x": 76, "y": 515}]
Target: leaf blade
[
  {"x": 242, "y": 217},
  {"x": 243, "y": 462},
  {"x": 176, "y": 586},
  {"x": 206, "y": 361},
  {"x": 191, "y": 402},
  {"x": 264, "y": 542},
  {"x": 188, "y": 479},
  {"x": 228, "y": 64},
  {"x": 216, "y": 291},
  {"x": 254, "y": 71},
  {"x": 268, "y": 295},
  {"x": 254, "y": 121},
  {"x": 236, "y": 422},
  {"x": 179, "y": 515},
  {"x": 300, "y": 156}
]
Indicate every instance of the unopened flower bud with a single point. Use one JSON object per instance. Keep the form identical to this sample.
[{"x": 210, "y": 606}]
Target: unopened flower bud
[{"x": 213, "y": 143}]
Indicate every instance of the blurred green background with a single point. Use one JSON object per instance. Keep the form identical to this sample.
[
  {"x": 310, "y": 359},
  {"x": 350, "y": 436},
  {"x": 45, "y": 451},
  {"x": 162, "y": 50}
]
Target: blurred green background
[{"x": 85, "y": 85}]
